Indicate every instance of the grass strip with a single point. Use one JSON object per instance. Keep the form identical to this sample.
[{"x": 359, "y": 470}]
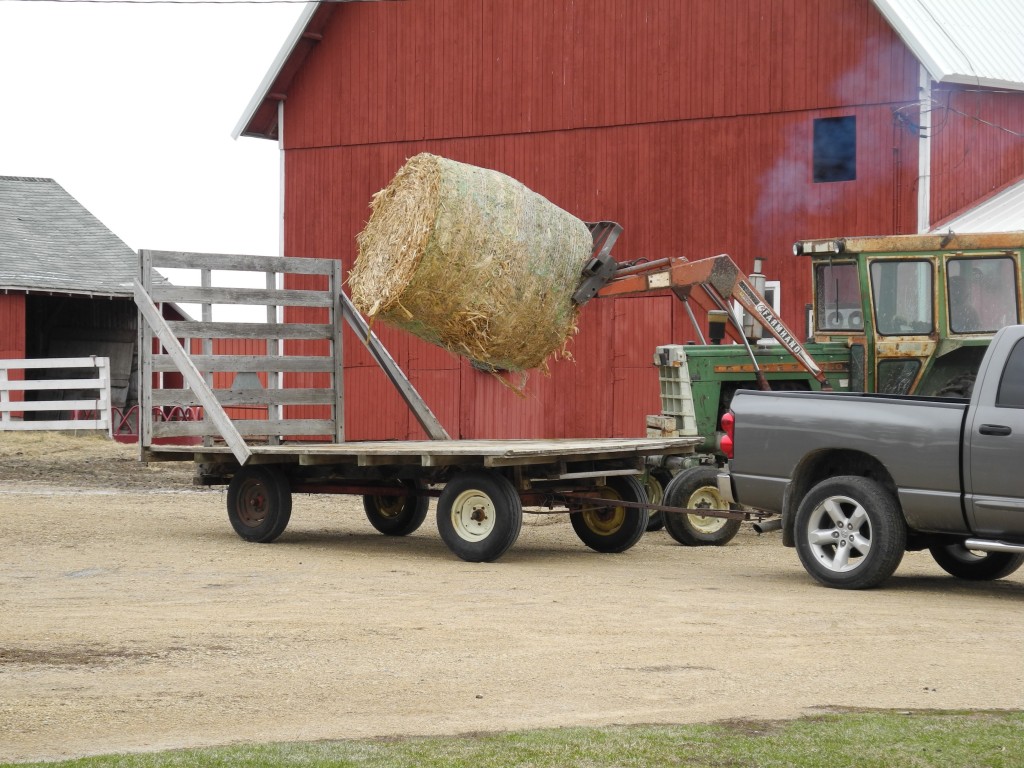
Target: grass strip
[{"x": 993, "y": 739}]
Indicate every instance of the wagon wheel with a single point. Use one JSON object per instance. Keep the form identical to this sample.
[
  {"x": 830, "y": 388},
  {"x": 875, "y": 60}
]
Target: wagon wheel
[
  {"x": 613, "y": 528},
  {"x": 259, "y": 503},
  {"x": 655, "y": 482},
  {"x": 397, "y": 515},
  {"x": 479, "y": 515}
]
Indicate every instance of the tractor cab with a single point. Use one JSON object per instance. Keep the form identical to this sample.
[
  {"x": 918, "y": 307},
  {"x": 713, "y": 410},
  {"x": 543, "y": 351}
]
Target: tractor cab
[{"x": 915, "y": 311}]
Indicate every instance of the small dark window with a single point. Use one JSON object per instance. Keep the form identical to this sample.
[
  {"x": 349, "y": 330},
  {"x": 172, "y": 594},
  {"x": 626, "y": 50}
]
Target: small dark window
[{"x": 835, "y": 149}]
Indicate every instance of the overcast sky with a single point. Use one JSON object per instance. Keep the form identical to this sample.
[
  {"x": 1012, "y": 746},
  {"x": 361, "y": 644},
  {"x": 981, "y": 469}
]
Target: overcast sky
[{"x": 130, "y": 108}]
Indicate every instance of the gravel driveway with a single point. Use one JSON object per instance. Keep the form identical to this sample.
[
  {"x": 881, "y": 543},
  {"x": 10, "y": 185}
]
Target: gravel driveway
[{"x": 134, "y": 619}]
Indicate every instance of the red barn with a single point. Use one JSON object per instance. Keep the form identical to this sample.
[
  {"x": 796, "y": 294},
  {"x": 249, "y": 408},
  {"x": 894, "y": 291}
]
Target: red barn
[{"x": 735, "y": 126}]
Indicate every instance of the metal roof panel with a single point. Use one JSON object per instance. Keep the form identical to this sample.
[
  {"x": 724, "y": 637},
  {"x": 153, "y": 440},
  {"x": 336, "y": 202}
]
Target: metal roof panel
[
  {"x": 1002, "y": 212},
  {"x": 975, "y": 43}
]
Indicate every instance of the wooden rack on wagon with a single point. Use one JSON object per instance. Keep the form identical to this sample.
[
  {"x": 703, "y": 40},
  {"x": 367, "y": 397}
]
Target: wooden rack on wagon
[{"x": 271, "y": 421}]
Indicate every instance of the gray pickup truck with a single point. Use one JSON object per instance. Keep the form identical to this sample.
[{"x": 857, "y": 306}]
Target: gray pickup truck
[{"x": 861, "y": 478}]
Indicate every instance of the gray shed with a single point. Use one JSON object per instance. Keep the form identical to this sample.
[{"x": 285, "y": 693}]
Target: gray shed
[{"x": 65, "y": 282}]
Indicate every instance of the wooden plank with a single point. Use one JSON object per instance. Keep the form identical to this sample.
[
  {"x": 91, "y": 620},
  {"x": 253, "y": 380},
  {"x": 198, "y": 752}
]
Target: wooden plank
[
  {"x": 250, "y": 363},
  {"x": 338, "y": 353},
  {"x": 322, "y": 396},
  {"x": 53, "y": 362},
  {"x": 97, "y": 404},
  {"x": 50, "y": 384},
  {"x": 55, "y": 426},
  {"x": 244, "y": 263},
  {"x": 195, "y": 380},
  {"x": 145, "y": 352},
  {"x": 199, "y": 330},
  {"x": 260, "y": 296},
  {"x": 248, "y": 427}
]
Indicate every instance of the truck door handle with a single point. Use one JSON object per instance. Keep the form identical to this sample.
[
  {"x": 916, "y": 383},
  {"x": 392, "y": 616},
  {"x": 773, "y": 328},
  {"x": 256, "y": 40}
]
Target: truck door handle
[{"x": 994, "y": 429}]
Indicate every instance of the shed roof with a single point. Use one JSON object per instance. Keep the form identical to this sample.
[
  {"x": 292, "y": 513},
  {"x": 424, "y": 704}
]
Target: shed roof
[
  {"x": 1002, "y": 212},
  {"x": 975, "y": 43},
  {"x": 50, "y": 242}
]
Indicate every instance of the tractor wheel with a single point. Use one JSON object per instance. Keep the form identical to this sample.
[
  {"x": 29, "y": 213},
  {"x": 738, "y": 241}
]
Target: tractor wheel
[
  {"x": 697, "y": 488},
  {"x": 654, "y": 483}
]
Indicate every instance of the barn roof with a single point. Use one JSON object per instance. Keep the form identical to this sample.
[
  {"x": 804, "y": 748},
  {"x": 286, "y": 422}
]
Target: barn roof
[
  {"x": 260, "y": 117},
  {"x": 976, "y": 43},
  {"x": 50, "y": 242}
]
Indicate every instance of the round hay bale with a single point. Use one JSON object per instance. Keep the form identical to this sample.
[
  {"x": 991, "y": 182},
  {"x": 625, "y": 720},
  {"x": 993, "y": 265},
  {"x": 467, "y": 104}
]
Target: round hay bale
[{"x": 471, "y": 260}]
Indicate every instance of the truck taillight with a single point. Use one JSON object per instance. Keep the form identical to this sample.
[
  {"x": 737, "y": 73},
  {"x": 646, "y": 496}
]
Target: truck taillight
[{"x": 728, "y": 427}]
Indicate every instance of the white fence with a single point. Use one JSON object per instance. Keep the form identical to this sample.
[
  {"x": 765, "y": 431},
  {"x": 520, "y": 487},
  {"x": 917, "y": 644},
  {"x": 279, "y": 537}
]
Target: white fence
[{"x": 87, "y": 412}]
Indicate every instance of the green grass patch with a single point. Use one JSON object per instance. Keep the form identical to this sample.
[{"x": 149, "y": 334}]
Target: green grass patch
[{"x": 862, "y": 739}]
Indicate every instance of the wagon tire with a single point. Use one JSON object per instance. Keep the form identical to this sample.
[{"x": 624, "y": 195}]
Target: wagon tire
[
  {"x": 655, "y": 482},
  {"x": 259, "y": 503},
  {"x": 397, "y": 515},
  {"x": 963, "y": 563},
  {"x": 613, "y": 529},
  {"x": 850, "y": 533},
  {"x": 697, "y": 488},
  {"x": 479, "y": 515}
]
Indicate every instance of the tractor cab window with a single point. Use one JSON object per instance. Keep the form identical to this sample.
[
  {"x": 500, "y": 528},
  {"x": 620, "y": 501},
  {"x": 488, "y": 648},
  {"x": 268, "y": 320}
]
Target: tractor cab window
[
  {"x": 982, "y": 294},
  {"x": 902, "y": 292},
  {"x": 837, "y": 297}
]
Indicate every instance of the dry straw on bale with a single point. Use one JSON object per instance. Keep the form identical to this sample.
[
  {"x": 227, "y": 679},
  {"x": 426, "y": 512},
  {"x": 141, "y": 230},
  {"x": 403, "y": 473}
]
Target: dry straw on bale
[{"x": 473, "y": 261}]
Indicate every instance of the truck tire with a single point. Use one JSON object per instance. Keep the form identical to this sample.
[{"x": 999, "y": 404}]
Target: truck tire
[
  {"x": 697, "y": 488},
  {"x": 396, "y": 515},
  {"x": 654, "y": 483},
  {"x": 479, "y": 515},
  {"x": 613, "y": 529},
  {"x": 259, "y": 503},
  {"x": 850, "y": 533},
  {"x": 957, "y": 560}
]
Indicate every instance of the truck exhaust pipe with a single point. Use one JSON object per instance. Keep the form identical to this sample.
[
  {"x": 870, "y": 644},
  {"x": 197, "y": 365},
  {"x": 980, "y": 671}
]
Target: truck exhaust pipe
[
  {"x": 985, "y": 545},
  {"x": 767, "y": 526}
]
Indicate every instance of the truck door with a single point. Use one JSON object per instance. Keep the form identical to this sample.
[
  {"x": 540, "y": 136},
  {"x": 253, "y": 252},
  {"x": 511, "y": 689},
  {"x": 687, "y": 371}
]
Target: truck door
[{"x": 994, "y": 441}]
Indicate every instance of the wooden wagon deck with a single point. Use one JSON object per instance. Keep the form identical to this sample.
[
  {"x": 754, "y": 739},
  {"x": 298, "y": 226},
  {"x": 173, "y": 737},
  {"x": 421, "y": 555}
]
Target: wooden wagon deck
[
  {"x": 437, "y": 453},
  {"x": 271, "y": 424}
]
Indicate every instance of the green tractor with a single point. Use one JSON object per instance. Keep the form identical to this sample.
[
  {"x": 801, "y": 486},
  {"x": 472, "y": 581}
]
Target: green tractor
[{"x": 906, "y": 314}]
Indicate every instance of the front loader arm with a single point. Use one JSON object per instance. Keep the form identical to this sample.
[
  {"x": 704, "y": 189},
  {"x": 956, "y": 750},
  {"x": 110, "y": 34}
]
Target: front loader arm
[{"x": 722, "y": 278}]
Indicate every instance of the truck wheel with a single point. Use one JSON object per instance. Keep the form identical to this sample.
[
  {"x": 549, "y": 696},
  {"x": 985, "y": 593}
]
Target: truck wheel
[
  {"x": 396, "y": 515},
  {"x": 479, "y": 516},
  {"x": 957, "y": 560},
  {"x": 850, "y": 533},
  {"x": 697, "y": 488},
  {"x": 613, "y": 529},
  {"x": 259, "y": 503},
  {"x": 654, "y": 483}
]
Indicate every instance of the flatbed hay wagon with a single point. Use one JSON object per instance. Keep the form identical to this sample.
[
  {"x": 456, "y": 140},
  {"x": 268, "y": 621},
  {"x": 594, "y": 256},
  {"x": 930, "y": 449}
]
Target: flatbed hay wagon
[{"x": 271, "y": 424}]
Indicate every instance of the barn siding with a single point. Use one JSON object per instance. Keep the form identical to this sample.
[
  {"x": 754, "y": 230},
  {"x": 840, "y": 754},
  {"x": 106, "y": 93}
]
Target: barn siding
[
  {"x": 441, "y": 69},
  {"x": 688, "y": 122},
  {"x": 978, "y": 147},
  {"x": 12, "y": 336},
  {"x": 12, "y": 326}
]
